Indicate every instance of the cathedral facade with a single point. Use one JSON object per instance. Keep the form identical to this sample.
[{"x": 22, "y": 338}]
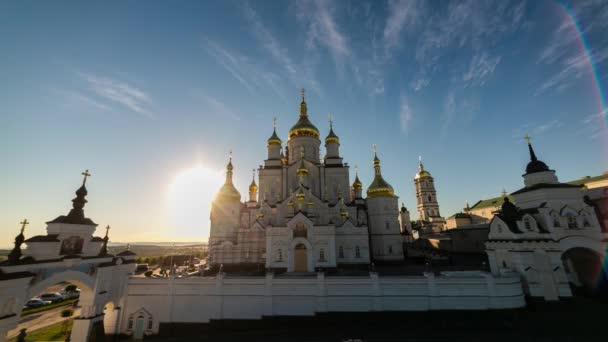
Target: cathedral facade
[{"x": 305, "y": 214}]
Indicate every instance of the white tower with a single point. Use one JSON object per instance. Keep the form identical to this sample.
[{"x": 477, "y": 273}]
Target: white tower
[
  {"x": 383, "y": 218},
  {"x": 426, "y": 197}
]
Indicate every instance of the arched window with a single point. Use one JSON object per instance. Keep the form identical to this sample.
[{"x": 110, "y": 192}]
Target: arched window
[
  {"x": 388, "y": 225},
  {"x": 572, "y": 221},
  {"x": 430, "y": 198},
  {"x": 130, "y": 325},
  {"x": 321, "y": 254},
  {"x": 357, "y": 252},
  {"x": 500, "y": 228},
  {"x": 279, "y": 255},
  {"x": 149, "y": 323},
  {"x": 528, "y": 224},
  {"x": 390, "y": 249},
  {"x": 341, "y": 252}
]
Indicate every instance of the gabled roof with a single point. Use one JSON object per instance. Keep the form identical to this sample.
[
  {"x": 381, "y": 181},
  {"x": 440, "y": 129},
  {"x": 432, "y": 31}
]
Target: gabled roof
[
  {"x": 489, "y": 203},
  {"x": 545, "y": 186},
  {"x": 43, "y": 238}
]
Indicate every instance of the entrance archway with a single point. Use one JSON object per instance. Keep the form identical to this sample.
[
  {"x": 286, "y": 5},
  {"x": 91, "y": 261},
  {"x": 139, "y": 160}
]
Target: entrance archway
[
  {"x": 300, "y": 258},
  {"x": 584, "y": 268}
]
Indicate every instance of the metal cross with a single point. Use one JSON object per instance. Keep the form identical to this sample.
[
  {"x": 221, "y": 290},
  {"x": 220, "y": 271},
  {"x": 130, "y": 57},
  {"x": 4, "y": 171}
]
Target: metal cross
[
  {"x": 107, "y": 229},
  {"x": 527, "y": 138},
  {"x": 331, "y": 119},
  {"x": 86, "y": 174},
  {"x": 230, "y": 155},
  {"x": 23, "y": 224},
  {"x": 274, "y": 122},
  {"x": 374, "y": 148},
  {"x": 302, "y": 91},
  {"x": 253, "y": 174}
]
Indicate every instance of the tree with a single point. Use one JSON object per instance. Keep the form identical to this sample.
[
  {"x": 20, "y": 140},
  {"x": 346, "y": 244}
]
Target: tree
[{"x": 70, "y": 288}]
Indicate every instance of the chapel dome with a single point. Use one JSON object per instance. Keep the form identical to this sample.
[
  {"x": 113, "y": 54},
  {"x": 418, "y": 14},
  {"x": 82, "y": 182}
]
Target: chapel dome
[
  {"x": 379, "y": 187},
  {"x": 303, "y": 128}
]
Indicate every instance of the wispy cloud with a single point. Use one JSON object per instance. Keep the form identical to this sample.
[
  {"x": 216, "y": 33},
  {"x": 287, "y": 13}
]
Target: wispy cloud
[
  {"x": 76, "y": 99},
  {"x": 323, "y": 30},
  {"x": 215, "y": 106},
  {"x": 298, "y": 76},
  {"x": 119, "y": 92},
  {"x": 401, "y": 15},
  {"x": 563, "y": 51},
  {"x": 481, "y": 68},
  {"x": 405, "y": 112},
  {"x": 449, "y": 111},
  {"x": 473, "y": 25},
  {"x": 247, "y": 73},
  {"x": 536, "y": 129}
]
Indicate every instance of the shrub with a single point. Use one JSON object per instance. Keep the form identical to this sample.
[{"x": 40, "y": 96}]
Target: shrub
[
  {"x": 148, "y": 273},
  {"x": 67, "y": 313},
  {"x": 70, "y": 288}
]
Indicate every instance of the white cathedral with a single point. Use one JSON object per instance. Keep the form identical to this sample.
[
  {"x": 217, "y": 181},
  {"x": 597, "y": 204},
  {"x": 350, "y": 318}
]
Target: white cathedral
[{"x": 306, "y": 215}]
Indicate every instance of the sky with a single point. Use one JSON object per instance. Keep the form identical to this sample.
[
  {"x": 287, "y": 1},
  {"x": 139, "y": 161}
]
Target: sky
[{"x": 151, "y": 96}]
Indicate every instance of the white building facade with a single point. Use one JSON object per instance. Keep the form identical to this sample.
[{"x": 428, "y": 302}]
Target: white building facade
[
  {"x": 305, "y": 214},
  {"x": 550, "y": 235}
]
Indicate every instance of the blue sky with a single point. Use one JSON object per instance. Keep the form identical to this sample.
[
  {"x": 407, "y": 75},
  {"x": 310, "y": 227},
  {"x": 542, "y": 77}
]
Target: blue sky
[{"x": 139, "y": 91}]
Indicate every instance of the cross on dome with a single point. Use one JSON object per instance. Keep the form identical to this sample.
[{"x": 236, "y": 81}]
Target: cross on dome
[
  {"x": 23, "y": 223},
  {"x": 86, "y": 174}
]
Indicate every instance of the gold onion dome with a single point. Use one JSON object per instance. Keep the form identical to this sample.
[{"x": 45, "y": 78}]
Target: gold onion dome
[
  {"x": 228, "y": 191},
  {"x": 379, "y": 187},
  {"x": 253, "y": 187},
  {"x": 422, "y": 173},
  {"x": 274, "y": 138},
  {"x": 357, "y": 185},
  {"x": 303, "y": 128},
  {"x": 332, "y": 137}
]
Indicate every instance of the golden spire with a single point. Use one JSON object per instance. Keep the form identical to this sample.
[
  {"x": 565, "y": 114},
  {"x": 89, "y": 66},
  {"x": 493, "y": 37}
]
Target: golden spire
[
  {"x": 357, "y": 185},
  {"x": 379, "y": 187},
  {"x": 303, "y": 108},
  {"x": 23, "y": 224}
]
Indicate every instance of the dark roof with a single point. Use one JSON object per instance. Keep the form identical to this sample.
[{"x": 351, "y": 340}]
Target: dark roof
[
  {"x": 536, "y": 166},
  {"x": 43, "y": 238},
  {"x": 545, "y": 186},
  {"x": 460, "y": 215},
  {"x": 72, "y": 220},
  {"x": 126, "y": 253}
]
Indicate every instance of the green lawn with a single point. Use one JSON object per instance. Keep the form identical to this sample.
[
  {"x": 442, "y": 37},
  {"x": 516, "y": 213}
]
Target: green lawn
[
  {"x": 55, "y": 332},
  {"x": 47, "y": 307}
]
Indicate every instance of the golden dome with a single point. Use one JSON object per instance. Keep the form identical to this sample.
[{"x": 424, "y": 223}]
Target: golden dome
[
  {"x": 357, "y": 185},
  {"x": 303, "y": 128},
  {"x": 422, "y": 173},
  {"x": 228, "y": 191},
  {"x": 332, "y": 137},
  {"x": 379, "y": 187},
  {"x": 274, "y": 138}
]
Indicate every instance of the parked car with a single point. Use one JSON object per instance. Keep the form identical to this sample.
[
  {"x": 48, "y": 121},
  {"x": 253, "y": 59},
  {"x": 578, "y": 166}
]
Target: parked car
[
  {"x": 70, "y": 294},
  {"x": 52, "y": 296},
  {"x": 36, "y": 303}
]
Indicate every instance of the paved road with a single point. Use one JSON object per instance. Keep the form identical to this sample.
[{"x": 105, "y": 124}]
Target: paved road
[{"x": 41, "y": 319}]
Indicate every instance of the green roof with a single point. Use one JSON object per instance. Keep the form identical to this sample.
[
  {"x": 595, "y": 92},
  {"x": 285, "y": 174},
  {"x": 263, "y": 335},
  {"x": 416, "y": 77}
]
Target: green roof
[
  {"x": 492, "y": 202},
  {"x": 497, "y": 201},
  {"x": 587, "y": 179}
]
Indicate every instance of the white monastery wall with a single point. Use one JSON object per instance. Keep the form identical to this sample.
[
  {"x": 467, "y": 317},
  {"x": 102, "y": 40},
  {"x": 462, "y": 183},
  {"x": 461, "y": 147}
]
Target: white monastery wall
[{"x": 200, "y": 299}]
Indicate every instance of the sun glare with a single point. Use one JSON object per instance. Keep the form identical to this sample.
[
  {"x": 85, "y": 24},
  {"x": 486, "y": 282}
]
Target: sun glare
[{"x": 189, "y": 201}]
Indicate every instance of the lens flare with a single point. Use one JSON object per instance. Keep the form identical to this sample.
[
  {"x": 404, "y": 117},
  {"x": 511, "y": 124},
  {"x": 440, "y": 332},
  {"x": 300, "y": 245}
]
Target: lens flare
[{"x": 189, "y": 200}]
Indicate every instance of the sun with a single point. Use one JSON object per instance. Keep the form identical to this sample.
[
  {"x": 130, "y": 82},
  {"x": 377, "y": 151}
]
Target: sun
[{"x": 189, "y": 201}]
